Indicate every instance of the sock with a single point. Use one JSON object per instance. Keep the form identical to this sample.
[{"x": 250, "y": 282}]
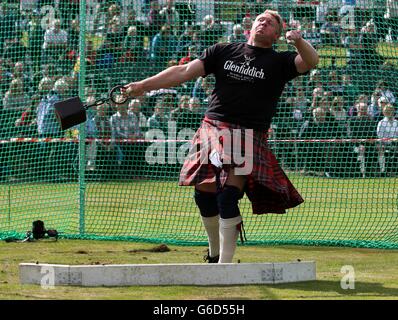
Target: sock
[
  {"x": 228, "y": 235},
  {"x": 211, "y": 225}
]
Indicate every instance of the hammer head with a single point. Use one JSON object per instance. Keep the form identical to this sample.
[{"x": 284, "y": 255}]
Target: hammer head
[{"x": 70, "y": 112}]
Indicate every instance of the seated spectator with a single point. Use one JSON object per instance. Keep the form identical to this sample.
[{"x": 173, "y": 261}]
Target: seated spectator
[
  {"x": 158, "y": 120},
  {"x": 387, "y": 128},
  {"x": 114, "y": 13},
  {"x": 135, "y": 107},
  {"x": 237, "y": 34},
  {"x": 318, "y": 93},
  {"x": 301, "y": 104},
  {"x": 155, "y": 20},
  {"x": 5, "y": 79},
  {"x": 368, "y": 49},
  {"x": 362, "y": 126},
  {"x": 353, "y": 47},
  {"x": 331, "y": 32},
  {"x": 124, "y": 126},
  {"x": 8, "y": 24},
  {"x": 247, "y": 26},
  {"x": 391, "y": 16},
  {"x": 102, "y": 123},
  {"x": 350, "y": 91},
  {"x": 353, "y": 110},
  {"x": 16, "y": 99},
  {"x": 384, "y": 91},
  {"x": 374, "y": 108},
  {"x": 315, "y": 81},
  {"x": 318, "y": 156},
  {"x": 133, "y": 46},
  {"x": 311, "y": 33},
  {"x": 132, "y": 20},
  {"x": 21, "y": 73},
  {"x": 114, "y": 37},
  {"x": 50, "y": 165},
  {"x": 105, "y": 153},
  {"x": 35, "y": 38},
  {"x": 15, "y": 50},
  {"x": 183, "y": 104},
  {"x": 55, "y": 43},
  {"x": 47, "y": 124},
  {"x": 339, "y": 113},
  {"x": 185, "y": 40},
  {"x": 203, "y": 88},
  {"x": 69, "y": 10},
  {"x": 171, "y": 17},
  {"x": 190, "y": 117},
  {"x": 74, "y": 35},
  {"x": 388, "y": 71},
  {"x": 26, "y": 123},
  {"x": 169, "y": 102},
  {"x": 192, "y": 55},
  {"x": 162, "y": 44},
  {"x": 321, "y": 13},
  {"x": 347, "y": 15},
  {"x": 211, "y": 32},
  {"x": 334, "y": 84}
]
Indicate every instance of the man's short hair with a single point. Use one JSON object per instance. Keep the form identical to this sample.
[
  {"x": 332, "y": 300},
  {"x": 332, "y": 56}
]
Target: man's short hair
[
  {"x": 60, "y": 85},
  {"x": 278, "y": 18},
  {"x": 383, "y": 99}
]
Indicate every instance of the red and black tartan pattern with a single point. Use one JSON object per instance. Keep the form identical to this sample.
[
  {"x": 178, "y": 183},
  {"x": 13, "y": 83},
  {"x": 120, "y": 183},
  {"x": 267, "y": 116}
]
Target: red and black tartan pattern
[{"x": 268, "y": 188}]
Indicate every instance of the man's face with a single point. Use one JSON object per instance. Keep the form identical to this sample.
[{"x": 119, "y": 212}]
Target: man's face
[
  {"x": 388, "y": 111},
  {"x": 265, "y": 28},
  {"x": 319, "y": 114}
]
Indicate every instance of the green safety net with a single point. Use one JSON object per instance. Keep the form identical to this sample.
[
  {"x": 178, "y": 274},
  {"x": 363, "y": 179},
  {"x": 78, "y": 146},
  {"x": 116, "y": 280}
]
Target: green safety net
[{"x": 115, "y": 177}]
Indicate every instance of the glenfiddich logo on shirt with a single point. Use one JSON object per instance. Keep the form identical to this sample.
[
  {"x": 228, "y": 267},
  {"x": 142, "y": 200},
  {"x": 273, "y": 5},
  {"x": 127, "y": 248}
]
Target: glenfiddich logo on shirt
[{"x": 244, "y": 68}]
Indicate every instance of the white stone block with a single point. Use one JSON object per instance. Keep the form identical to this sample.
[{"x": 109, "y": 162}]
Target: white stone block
[{"x": 167, "y": 274}]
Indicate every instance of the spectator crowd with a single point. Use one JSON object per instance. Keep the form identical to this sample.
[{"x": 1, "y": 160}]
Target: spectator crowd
[{"x": 352, "y": 96}]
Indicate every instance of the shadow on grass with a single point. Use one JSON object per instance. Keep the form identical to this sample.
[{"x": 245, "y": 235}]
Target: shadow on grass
[{"x": 322, "y": 286}]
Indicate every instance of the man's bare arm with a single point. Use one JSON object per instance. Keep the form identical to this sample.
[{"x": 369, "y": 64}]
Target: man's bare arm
[
  {"x": 307, "y": 57},
  {"x": 171, "y": 77}
]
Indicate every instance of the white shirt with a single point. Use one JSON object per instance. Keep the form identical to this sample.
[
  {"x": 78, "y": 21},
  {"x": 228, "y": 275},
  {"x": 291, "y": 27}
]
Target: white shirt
[
  {"x": 124, "y": 127},
  {"x": 55, "y": 38},
  {"x": 26, "y": 5},
  {"x": 387, "y": 128},
  {"x": 391, "y": 9}
]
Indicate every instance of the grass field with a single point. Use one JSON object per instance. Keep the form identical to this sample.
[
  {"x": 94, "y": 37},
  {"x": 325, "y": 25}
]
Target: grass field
[
  {"x": 338, "y": 211},
  {"x": 375, "y": 271}
]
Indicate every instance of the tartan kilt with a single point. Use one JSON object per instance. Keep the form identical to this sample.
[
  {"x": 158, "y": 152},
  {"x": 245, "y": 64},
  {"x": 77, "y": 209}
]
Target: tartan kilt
[{"x": 209, "y": 161}]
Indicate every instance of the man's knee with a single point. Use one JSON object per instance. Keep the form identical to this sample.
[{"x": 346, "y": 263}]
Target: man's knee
[
  {"x": 227, "y": 201},
  {"x": 206, "y": 202}
]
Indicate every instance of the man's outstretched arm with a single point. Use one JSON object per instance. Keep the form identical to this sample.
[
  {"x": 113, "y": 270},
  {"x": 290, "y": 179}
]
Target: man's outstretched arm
[{"x": 171, "y": 77}]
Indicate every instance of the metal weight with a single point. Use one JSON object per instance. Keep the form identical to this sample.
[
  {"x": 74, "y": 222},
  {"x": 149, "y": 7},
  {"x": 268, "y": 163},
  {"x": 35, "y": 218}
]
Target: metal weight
[{"x": 71, "y": 112}]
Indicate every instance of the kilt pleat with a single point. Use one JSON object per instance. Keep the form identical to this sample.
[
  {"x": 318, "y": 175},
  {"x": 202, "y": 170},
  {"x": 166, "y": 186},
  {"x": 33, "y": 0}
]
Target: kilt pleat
[{"x": 268, "y": 188}]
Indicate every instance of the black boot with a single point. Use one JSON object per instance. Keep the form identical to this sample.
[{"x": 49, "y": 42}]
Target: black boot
[{"x": 210, "y": 259}]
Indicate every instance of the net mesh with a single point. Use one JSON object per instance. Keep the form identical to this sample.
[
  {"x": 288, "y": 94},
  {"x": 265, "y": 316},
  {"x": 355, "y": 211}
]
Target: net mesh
[{"x": 115, "y": 176}]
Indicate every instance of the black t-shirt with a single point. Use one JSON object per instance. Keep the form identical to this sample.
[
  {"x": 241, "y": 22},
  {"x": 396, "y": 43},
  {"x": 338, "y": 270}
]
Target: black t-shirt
[{"x": 249, "y": 82}]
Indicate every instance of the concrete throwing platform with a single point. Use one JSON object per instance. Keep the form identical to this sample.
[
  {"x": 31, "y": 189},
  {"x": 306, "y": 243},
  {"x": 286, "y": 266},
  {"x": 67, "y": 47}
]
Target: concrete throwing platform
[{"x": 166, "y": 274}]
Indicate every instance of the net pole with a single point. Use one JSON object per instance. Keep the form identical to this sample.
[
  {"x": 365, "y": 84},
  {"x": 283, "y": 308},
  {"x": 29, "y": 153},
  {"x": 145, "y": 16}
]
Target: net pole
[{"x": 82, "y": 131}]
